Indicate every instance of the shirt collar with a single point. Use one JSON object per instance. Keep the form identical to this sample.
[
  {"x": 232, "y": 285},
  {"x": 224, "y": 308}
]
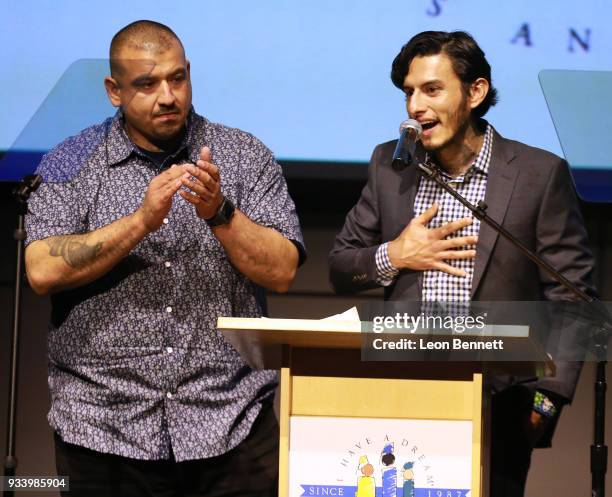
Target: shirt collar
[
  {"x": 481, "y": 162},
  {"x": 121, "y": 147}
]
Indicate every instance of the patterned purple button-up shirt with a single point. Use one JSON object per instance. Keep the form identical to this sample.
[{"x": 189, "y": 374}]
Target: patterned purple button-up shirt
[{"x": 137, "y": 366}]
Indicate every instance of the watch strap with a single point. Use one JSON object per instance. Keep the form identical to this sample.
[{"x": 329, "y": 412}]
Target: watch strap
[{"x": 224, "y": 214}]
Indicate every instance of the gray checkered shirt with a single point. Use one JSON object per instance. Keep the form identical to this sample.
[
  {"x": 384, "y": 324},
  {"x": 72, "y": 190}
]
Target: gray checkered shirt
[{"x": 438, "y": 285}]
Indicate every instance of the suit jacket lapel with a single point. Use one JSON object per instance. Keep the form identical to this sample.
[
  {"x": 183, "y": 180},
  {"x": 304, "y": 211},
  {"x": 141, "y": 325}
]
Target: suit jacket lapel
[
  {"x": 407, "y": 194},
  {"x": 500, "y": 184}
]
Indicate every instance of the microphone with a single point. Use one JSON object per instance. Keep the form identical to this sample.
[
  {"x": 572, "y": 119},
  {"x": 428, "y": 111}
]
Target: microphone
[{"x": 410, "y": 133}]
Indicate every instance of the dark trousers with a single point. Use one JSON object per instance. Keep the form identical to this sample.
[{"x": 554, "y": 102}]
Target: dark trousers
[
  {"x": 510, "y": 447},
  {"x": 250, "y": 469}
]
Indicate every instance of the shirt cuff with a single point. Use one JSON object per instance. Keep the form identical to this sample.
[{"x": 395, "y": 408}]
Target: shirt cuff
[{"x": 385, "y": 271}]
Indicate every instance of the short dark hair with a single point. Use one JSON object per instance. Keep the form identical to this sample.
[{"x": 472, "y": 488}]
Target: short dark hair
[
  {"x": 142, "y": 35},
  {"x": 468, "y": 60}
]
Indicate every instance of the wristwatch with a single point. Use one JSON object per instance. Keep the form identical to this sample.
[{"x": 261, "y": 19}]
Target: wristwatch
[{"x": 223, "y": 215}]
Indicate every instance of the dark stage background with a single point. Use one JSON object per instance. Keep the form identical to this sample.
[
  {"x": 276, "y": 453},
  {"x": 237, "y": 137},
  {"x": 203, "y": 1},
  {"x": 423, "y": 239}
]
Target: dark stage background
[{"x": 562, "y": 471}]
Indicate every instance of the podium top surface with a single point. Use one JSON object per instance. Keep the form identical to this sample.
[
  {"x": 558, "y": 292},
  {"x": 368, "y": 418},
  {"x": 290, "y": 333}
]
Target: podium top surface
[
  {"x": 317, "y": 333},
  {"x": 312, "y": 333}
]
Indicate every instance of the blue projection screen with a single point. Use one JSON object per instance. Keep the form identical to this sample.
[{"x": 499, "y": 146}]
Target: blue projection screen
[{"x": 309, "y": 78}]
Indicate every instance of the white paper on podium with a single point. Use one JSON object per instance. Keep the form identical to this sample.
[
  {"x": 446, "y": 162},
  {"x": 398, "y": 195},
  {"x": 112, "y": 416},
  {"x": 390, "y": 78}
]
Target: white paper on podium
[{"x": 349, "y": 315}]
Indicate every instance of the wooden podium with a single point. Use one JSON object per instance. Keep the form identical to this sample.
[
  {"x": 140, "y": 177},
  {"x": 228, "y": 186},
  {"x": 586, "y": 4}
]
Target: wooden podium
[{"x": 322, "y": 374}]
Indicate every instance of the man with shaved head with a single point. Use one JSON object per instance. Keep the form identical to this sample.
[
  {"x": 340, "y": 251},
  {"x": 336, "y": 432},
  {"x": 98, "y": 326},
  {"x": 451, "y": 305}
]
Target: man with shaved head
[{"x": 147, "y": 228}]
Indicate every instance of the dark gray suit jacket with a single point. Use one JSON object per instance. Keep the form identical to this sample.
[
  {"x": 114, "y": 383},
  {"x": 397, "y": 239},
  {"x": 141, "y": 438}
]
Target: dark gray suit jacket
[{"x": 529, "y": 191}]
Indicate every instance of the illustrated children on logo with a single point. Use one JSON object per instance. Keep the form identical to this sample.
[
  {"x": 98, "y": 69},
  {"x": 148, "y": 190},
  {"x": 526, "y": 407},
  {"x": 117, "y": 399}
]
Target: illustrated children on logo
[
  {"x": 366, "y": 486},
  {"x": 389, "y": 472},
  {"x": 408, "y": 476}
]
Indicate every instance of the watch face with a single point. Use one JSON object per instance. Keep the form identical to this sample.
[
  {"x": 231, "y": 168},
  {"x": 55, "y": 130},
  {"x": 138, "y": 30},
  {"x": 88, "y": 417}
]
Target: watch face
[
  {"x": 224, "y": 216},
  {"x": 227, "y": 210}
]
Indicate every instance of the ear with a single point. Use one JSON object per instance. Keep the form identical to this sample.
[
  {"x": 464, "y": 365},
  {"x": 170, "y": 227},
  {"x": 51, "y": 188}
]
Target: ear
[
  {"x": 113, "y": 91},
  {"x": 188, "y": 68},
  {"x": 478, "y": 92}
]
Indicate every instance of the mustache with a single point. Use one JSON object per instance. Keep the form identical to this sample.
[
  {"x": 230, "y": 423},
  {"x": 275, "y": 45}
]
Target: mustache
[{"x": 173, "y": 110}]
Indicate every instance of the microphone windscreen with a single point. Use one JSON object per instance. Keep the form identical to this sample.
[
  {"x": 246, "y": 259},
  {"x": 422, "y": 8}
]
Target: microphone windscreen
[{"x": 413, "y": 126}]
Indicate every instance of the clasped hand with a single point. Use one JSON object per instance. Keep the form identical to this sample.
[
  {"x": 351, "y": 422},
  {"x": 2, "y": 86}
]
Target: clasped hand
[
  {"x": 203, "y": 189},
  {"x": 204, "y": 182}
]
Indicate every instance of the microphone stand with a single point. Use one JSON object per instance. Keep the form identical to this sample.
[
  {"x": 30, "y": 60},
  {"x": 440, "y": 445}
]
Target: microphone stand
[
  {"x": 21, "y": 194},
  {"x": 599, "y": 450}
]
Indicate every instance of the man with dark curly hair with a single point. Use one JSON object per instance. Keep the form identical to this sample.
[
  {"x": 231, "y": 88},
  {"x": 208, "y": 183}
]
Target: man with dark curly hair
[{"x": 411, "y": 237}]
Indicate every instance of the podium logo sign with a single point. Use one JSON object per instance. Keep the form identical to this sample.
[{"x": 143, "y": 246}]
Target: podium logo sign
[{"x": 375, "y": 457}]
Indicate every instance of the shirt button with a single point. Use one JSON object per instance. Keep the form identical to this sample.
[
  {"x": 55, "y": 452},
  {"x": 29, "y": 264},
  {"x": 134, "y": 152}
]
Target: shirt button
[
  {"x": 169, "y": 350},
  {"x": 169, "y": 395},
  {"x": 166, "y": 220},
  {"x": 168, "y": 309},
  {"x": 167, "y": 264}
]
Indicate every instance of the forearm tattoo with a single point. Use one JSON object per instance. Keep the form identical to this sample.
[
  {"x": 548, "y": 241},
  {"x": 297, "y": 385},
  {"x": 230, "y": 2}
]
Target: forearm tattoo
[{"x": 74, "y": 252}]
